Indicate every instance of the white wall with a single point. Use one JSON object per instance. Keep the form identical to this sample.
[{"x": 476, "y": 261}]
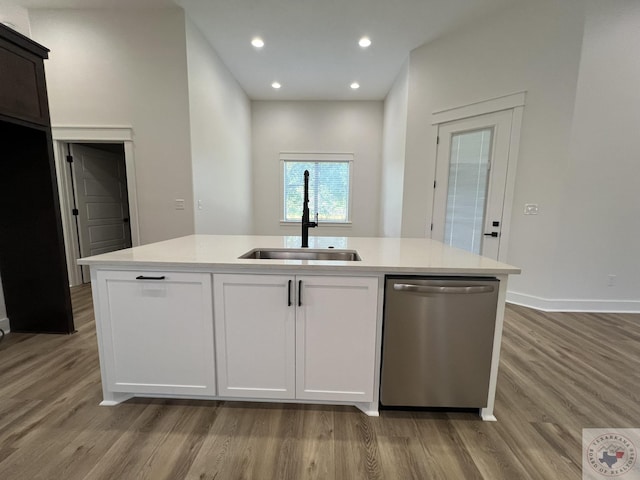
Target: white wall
[
  {"x": 220, "y": 119},
  {"x": 535, "y": 48},
  {"x": 578, "y": 158},
  {"x": 317, "y": 127},
  {"x": 16, "y": 17},
  {"x": 394, "y": 138},
  {"x": 600, "y": 229},
  {"x": 128, "y": 68}
]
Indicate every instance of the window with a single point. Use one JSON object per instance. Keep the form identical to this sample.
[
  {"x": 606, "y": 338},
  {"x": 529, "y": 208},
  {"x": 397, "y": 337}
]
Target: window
[
  {"x": 329, "y": 186},
  {"x": 468, "y": 188}
]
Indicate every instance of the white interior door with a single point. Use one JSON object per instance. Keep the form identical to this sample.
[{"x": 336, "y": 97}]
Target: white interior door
[
  {"x": 471, "y": 177},
  {"x": 100, "y": 186}
]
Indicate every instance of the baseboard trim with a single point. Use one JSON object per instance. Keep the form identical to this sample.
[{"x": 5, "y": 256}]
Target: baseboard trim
[
  {"x": 4, "y": 325},
  {"x": 573, "y": 305}
]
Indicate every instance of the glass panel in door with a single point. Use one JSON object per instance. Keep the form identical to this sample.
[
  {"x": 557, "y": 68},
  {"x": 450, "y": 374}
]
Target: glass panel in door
[{"x": 468, "y": 185}]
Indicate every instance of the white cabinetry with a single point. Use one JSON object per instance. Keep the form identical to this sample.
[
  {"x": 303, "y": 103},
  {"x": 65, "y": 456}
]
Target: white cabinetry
[
  {"x": 336, "y": 338},
  {"x": 304, "y": 337},
  {"x": 155, "y": 332},
  {"x": 255, "y": 335}
]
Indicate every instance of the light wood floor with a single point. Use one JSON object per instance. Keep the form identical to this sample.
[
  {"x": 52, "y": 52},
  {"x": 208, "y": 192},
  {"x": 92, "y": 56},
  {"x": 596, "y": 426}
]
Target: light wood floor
[{"x": 559, "y": 373}]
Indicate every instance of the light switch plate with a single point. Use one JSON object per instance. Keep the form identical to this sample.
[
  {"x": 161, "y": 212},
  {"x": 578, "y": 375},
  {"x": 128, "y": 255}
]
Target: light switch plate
[{"x": 531, "y": 209}]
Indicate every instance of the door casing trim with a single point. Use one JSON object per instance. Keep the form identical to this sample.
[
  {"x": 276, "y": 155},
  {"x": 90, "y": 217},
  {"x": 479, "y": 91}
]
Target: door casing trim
[
  {"x": 514, "y": 102},
  {"x": 492, "y": 105},
  {"x": 91, "y": 134}
]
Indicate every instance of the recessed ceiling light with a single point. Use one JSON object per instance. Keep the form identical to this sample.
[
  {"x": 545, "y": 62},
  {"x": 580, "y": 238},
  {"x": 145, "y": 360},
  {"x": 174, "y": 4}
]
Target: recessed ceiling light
[
  {"x": 355, "y": 85},
  {"x": 364, "y": 42},
  {"x": 276, "y": 85},
  {"x": 257, "y": 42}
]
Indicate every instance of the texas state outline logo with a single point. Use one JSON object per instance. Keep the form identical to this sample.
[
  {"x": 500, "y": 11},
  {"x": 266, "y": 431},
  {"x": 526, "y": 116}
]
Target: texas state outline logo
[{"x": 610, "y": 454}]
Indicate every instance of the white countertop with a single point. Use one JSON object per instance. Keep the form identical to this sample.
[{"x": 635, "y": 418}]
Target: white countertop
[{"x": 379, "y": 255}]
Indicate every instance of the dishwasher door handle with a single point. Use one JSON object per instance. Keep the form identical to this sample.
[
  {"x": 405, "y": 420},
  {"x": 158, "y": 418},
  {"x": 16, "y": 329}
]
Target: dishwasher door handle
[{"x": 407, "y": 287}]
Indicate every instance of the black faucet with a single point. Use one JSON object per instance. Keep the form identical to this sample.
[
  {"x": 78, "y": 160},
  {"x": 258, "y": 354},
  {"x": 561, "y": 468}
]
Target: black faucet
[{"x": 306, "y": 224}]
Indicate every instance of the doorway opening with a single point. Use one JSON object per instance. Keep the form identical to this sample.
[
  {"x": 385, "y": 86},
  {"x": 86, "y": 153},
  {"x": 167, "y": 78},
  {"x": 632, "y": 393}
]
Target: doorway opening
[
  {"x": 96, "y": 181},
  {"x": 100, "y": 199}
]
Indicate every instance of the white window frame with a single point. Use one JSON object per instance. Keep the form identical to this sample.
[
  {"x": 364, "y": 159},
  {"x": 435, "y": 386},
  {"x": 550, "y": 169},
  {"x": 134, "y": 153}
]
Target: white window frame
[{"x": 316, "y": 157}]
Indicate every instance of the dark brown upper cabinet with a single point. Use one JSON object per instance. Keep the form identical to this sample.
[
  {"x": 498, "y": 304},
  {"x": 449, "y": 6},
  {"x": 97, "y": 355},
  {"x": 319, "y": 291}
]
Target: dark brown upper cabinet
[{"x": 23, "y": 92}]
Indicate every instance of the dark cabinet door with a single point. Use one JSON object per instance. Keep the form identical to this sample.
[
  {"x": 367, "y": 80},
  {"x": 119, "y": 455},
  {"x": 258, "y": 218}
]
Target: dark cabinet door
[
  {"x": 22, "y": 95},
  {"x": 23, "y": 92}
]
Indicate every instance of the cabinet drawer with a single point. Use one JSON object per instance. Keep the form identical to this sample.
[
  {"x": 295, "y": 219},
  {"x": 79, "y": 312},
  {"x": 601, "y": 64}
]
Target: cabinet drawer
[{"x": 157, "y": 332}]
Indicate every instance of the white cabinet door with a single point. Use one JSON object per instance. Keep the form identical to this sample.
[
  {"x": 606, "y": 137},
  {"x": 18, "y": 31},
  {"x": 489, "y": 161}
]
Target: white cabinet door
[
  {"x": 255, "y": 335},
  {"x": 156, "y": 332},
  {"x": 336, "y": 338}
]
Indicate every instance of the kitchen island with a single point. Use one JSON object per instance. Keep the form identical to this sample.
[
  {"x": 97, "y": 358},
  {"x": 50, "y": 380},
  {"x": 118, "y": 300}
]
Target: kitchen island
[{"x": 189, "y": 318}]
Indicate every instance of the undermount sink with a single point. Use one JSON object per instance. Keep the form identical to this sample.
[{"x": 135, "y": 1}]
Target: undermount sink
[{"x": 302, "y": 254}]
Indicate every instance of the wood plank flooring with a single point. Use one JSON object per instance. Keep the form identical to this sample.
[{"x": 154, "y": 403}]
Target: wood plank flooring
[{"x": 559, "y": 373}]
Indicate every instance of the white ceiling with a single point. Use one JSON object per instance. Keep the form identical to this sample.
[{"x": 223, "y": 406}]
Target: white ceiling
[{"x": 311, "y": 46}]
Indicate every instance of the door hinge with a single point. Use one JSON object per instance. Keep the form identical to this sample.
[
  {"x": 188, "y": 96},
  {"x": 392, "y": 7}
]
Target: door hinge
[
  {"x": 432, "y": 227},
  {"x": 434, "y": 184},
  {"x": 69, "y": 159},
  {"x": 75, "y": 211},
  {"x": 438, "y": 140}
]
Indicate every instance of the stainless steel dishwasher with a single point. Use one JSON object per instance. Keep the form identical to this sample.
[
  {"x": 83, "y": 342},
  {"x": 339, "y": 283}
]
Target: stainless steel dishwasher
[{"x": 437, "y": 341}]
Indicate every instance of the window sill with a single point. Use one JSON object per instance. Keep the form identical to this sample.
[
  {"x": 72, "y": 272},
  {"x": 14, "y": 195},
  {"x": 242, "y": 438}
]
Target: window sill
[{"x": 284, "y": 223}]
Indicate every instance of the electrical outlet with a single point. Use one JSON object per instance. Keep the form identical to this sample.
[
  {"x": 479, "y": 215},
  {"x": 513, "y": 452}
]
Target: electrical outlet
[
  {"x": 179, "y": 203},
  {"x": 530, "y": 208},
  {"x": 199, "y": 204},
  {"x": 611, "y": 280}
]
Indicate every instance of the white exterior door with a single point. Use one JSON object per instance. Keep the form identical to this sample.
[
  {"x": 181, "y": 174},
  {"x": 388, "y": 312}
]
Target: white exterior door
[
  {"x": 255, "y": 335},
  {"x": 100, "y": 186},
  {"x": 336, "y": 338},
  {"x": 471, "y": 178}
]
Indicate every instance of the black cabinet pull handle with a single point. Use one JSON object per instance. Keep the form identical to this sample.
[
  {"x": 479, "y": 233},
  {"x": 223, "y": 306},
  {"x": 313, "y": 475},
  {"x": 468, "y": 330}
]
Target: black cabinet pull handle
[
  {"x": 492, "y": 234},
  {"x": 142, "y": 277},
  {"x": 289, "y": 295},
  {"x": 299, "y": 293}
]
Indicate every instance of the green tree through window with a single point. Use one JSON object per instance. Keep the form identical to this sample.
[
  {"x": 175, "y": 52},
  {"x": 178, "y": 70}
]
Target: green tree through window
[{"x": 328, "y": 190}]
